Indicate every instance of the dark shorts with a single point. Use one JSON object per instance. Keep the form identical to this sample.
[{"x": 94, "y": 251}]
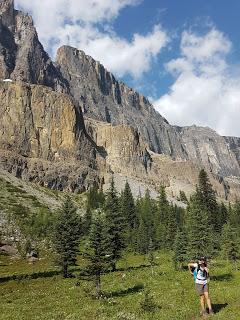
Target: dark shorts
[{"x": 201, "y": 288}]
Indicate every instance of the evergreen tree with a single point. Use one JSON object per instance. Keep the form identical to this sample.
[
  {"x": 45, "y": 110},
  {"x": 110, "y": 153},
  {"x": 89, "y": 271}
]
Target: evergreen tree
[
  {"x": 142, "y": 238},
  {"x": 115, "y": 225},
  {"x": 66, "y": 236},
  {"x": 230, "y": 243},
  {"x": 128, "y": 210},
  {"x": 95, "y": 200},
  {"x": 162, "y": 219},
  {"x": 180, "y": 249},
  {"x": 97, "y": 252},
  {"x": 147, "y": 213},
  {"x": 171, "y": 227},
  {"x": 207, "y": 199},
  {"x": 199, "y": 231},
  {"x": 222, "y": 216},
  {"x": 234, "y": 215},
  {"x": 163, "y": 204},
  {"x": 150, "y": 254}
]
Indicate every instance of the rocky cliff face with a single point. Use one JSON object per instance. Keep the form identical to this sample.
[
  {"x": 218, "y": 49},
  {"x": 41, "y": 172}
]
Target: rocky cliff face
[
  {"x": 22, "y": 57},
  {"x": 234, "y": 145},
  {"x": 207, "y": 148},
  {"x": 103, "y": 98},
  {"x": 42, "y": 137}
]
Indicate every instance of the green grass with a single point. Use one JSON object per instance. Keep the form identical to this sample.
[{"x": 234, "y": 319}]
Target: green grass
[
  {"x": 173, "y": 291},
  {"x": 13, "y": 199}
]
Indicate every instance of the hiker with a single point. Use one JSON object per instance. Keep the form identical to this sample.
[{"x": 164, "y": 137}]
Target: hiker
[{"x": 201, "y": 276}]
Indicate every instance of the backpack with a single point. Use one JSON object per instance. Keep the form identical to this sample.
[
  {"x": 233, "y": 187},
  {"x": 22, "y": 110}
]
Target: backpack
[{"x": 195, "y": 273}]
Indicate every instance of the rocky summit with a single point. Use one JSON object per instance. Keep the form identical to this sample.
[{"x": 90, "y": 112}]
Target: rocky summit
[
  {"x": 22, "y": 57},
  {"x": 70, "y": 124}
]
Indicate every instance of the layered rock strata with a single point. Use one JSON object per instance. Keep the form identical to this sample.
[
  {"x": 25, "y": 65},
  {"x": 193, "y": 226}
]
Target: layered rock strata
[{"x": 42, "y": 137}]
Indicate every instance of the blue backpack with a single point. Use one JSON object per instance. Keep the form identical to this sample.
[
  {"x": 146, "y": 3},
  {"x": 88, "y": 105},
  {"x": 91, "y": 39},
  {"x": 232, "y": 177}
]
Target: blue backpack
[{"x": 195, "y": 272}]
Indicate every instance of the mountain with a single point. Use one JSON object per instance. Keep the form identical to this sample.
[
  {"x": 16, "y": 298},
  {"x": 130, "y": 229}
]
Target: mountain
[
  {"x": 103, "y": 98},
  {"x": 42, "y": 138},
  {"x": 70, "y": 124},
  {"x": 22, "y": 57}
]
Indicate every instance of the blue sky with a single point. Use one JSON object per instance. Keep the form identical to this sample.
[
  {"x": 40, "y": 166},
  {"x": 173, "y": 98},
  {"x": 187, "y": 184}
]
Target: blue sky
[
  {"x": 176, "y": 16},
  {"x": 182, "y": 54}
]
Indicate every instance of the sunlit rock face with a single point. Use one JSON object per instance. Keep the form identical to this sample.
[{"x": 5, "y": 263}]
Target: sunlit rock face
[
  {"x": 42, "y": 137},
  {"x": 103, "y": 98},
  {"x": 204, "y": 146}
]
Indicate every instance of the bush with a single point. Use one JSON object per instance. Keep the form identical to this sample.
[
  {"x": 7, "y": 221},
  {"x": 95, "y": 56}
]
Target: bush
[{"x": 148, "y": 304}]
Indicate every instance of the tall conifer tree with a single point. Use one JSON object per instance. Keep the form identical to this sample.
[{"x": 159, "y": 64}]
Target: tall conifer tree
[
  {"x": 129, "y": 213},
  {"x": 98, "y": 251},
  {"x": 207, "y": 199},
  {"x": 199, "y": 230},
  {"x": 230, "y": 243},
  {"x": 66, "y": 236},
  {"x": 180, "y": 249},
  {"x": 115, "y": 225}
]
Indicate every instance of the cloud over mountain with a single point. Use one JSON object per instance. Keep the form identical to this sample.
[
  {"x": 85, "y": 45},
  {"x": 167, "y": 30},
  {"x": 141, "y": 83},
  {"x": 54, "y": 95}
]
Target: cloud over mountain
[
  {"x": 206, "y": 90},
  {"x": 88, "y": 25}
]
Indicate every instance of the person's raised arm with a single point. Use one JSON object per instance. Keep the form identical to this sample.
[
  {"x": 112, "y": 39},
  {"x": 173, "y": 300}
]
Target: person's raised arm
[{"x": 190, "y": 266}]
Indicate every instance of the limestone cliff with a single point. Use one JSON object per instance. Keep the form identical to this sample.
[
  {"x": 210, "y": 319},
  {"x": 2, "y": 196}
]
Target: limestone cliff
[
  {"x": 42, "y": 137},
  {"x": 207, "y": 148},
  {"x": 103, "y": 98},
  {"x": 234, "y": 145},
  {"x": 128, "y": 158}
]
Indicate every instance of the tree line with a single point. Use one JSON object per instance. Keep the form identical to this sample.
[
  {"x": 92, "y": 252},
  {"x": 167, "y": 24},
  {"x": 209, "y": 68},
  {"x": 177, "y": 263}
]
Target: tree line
[{"x": 115, "y": 223}]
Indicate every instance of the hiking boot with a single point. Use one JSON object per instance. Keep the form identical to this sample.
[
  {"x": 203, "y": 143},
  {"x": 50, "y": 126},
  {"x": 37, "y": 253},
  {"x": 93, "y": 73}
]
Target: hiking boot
[{"x": 203, "y": 313}]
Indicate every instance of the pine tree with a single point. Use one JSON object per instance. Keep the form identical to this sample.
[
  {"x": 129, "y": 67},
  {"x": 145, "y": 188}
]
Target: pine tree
[
  {"x": 142, "y": 238},
  {"x": 66, "y": 236},
  {"x": 199, "y": 231},
  {"x": 234, "y": 215},
  {"x": 163, "y": 204},
  {"x": 162, "y": 219},
  {"x": 170, "y": 227},
  {"x": 180, "y": 249},
  {"x": 95, "y": 200},
  {"x": 230, "y": 243},
  {"x": 115, "y": 225},
  {"x": 98, "y": 253},
  {"x": 222, "y": 216},
  {"x": 128, "y": 210},
  {"x": 207, "y": 199}
]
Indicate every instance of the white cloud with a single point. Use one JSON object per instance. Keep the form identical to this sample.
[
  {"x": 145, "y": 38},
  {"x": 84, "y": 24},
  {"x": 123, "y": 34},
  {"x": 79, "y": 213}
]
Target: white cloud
[
  {"x": 205, "y": 91},
  {"x": 80, "y": 23}
]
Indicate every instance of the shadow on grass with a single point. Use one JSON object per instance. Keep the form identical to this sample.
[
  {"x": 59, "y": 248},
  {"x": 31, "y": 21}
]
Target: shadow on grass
[
  {"x": 222, "y": 277},
  {"x": 35, "y": 275},
  {"x": 124, "y": 292},
  {"x": 218, "y": 307}
]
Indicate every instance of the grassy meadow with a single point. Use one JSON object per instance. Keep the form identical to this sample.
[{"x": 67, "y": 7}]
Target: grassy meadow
[{"x": 37, "y": 291}]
